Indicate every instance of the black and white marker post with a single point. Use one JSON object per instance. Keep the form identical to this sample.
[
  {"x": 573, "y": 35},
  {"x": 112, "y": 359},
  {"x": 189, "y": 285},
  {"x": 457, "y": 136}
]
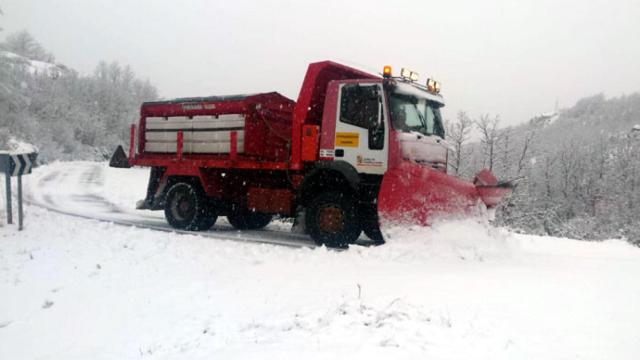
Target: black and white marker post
[{"x": 16, "y": 165}]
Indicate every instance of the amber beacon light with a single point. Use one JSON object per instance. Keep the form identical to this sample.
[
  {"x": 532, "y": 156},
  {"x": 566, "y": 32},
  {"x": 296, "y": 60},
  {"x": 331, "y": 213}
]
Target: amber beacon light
[{"x": 386, "y": 71}]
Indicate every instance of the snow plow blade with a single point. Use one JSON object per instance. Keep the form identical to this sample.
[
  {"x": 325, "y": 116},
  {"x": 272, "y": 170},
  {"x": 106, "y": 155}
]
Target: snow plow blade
[
  {"x": 414, "y": 194},
  {"x": 489, "y": 189}
]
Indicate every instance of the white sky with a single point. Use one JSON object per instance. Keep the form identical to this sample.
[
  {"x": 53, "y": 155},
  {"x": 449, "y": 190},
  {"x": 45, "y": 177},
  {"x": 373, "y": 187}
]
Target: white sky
[{"x": 513, "y": 58}]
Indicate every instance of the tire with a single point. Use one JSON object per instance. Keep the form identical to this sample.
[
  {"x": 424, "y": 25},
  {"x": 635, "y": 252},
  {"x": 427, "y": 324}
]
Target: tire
[
  {"x": 187, "y": 208},
  {"x": 247, "y": 220},
  {"x": 331, "y": 219}
]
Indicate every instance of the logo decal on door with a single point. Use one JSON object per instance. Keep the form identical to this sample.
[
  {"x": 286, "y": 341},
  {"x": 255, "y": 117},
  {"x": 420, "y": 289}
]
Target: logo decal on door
[{"x": 366, "y": 161}]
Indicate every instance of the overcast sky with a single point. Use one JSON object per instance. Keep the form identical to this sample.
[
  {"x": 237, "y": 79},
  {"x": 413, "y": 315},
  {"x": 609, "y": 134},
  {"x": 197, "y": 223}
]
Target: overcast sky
[{"x": 513, "y": 58}]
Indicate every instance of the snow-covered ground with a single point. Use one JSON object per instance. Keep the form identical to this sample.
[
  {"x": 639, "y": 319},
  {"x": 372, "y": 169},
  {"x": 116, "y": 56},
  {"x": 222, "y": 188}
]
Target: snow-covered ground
[{"x": 73, "y": 288}]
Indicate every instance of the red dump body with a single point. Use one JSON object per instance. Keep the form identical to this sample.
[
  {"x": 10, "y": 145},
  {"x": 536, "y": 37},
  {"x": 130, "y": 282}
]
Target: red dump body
[{"x": 266, "y": 126}]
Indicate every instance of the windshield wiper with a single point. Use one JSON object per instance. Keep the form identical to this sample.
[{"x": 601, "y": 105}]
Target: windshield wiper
[{"x": 422, "y": 120}]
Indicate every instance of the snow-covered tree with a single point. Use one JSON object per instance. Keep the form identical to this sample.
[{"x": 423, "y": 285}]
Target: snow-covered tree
[
  {"x": 68, "y": 116},
  {"x": 22, "y": 43}
]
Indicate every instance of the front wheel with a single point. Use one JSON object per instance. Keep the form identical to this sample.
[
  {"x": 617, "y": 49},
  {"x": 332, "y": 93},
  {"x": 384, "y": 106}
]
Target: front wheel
[
  {"x": 187, "y": 208},
  {"x": 331, "y": 220}
]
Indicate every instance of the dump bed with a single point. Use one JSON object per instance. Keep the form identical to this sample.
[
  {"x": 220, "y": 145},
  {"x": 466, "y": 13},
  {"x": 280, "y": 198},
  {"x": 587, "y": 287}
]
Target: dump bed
[{"x": 260, "y": 125}]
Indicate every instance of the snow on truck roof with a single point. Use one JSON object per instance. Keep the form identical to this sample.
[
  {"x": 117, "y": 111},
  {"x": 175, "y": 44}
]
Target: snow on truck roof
[
  {"x": 223, "y": 98},
  {"x": 413, "y": 89},
  {"x": 200, "y": 99}
]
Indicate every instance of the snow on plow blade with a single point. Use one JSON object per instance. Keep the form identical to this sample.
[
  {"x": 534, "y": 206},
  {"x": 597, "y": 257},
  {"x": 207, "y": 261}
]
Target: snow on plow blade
[{"x": 414, "y": 194}]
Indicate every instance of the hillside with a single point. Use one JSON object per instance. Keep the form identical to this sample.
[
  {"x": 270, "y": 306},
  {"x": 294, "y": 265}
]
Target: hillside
[{"x": 579, "y": 170}]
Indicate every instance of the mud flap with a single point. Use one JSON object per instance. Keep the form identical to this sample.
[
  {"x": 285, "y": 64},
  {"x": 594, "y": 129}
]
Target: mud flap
[
  {"x": 155, "y": 191},
  {"x": 119, "y": 159},
  {"x": 412, "y": 194}
]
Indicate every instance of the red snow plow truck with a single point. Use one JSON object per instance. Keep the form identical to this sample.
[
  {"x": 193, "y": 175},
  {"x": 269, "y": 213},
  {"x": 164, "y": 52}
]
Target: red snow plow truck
[{"x": 355, "y": 151}]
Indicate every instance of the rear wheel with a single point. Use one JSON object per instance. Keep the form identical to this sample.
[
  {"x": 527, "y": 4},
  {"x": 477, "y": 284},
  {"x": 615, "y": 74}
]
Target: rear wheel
[
  {"x": 187, "y": 208},
  {"x": 247, "y": 220},
  {"x": 331, "y": 220}
]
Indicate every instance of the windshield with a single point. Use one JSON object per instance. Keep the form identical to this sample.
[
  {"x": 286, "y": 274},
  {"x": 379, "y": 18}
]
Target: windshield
[{"x": 412, "y": 113}]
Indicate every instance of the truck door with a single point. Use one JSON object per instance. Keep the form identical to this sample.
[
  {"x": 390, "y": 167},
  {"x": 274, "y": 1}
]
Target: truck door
[{"x": 361, "y": 136}]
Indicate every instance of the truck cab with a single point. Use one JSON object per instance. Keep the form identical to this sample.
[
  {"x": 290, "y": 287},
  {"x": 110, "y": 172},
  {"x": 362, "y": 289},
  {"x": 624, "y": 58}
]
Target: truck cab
[
  {"x": 373, "y": 125},
  {"x": 370, "y": 126}
]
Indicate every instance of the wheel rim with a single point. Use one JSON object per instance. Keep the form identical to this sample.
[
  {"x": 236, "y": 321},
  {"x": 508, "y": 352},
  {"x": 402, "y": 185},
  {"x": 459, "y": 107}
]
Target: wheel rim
[
  {"x": 330, "y": 219},
  {"x": 183, "y": 208}
]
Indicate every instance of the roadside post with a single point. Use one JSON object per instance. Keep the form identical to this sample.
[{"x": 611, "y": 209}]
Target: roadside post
[{"x": 13, "y": 164}]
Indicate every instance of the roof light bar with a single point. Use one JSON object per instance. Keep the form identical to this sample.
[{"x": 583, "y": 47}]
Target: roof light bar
[
  {"x": 433, "y": 86},
  {"x": 409, "y": 75},
  {"x": 412, "y": 76}
]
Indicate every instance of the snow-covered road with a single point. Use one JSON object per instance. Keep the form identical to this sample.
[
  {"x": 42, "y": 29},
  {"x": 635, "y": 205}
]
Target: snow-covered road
[
  {"x": 94, "y": 191},
  {"x": 73, "y": 288}
]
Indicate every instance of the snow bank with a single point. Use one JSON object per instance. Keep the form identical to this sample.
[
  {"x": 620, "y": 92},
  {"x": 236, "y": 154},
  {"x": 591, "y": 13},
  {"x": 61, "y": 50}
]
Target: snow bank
[{"x": 472, "y": 239}]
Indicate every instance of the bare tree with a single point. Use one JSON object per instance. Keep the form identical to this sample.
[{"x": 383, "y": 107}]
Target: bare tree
[
  {"x": 549, "y": 165},
  {"x": 490, "y": 135},
  {"x": 526, "y": 145},
  {"x": 458, "y": 134},
  {"x": 504, "y": 147}
]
